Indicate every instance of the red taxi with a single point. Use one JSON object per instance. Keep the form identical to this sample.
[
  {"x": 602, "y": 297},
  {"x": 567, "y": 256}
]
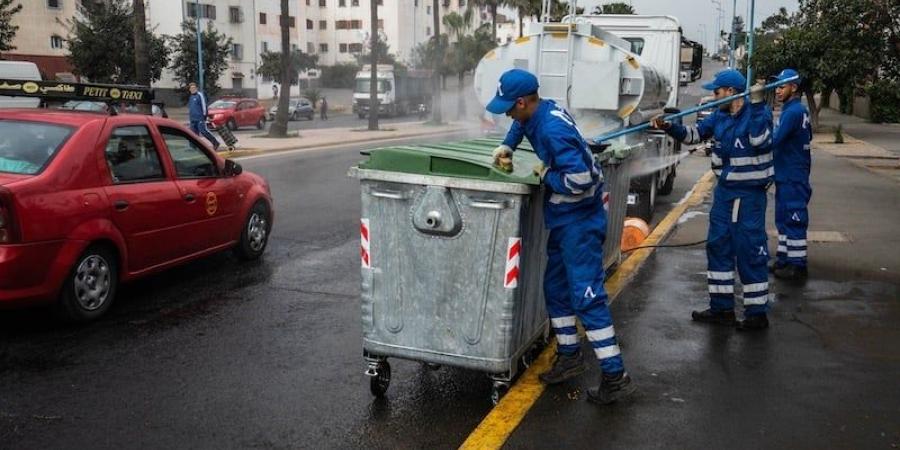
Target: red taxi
[
  {"x": 89, "y": 200},
  {"x": 236, "y": 112}
]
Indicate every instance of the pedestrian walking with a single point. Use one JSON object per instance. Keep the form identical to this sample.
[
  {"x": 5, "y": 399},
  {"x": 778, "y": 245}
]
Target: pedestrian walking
[
  {"x": 574, "y": 214},
  {"x": 274, "y": 91},
  {"x": 197, "y": 114},
  {"x": 792, "y": 189},
  {"x": 742, "y": 160},
  {"x": 323, "y": 109}
]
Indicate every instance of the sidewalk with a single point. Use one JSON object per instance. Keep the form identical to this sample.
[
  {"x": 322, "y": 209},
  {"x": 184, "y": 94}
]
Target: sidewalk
[{"x": 823, "y": 376}]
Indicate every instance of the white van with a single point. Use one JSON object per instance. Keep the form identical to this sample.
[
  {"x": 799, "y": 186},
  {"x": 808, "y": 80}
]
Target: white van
[{"x": 19, "y": 70}]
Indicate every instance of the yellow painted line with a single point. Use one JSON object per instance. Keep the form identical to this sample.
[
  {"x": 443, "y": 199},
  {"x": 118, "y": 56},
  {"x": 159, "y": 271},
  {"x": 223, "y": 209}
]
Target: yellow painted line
[
  {"x": 522, "y": 39},
  {"x": 498, "y": 425}
]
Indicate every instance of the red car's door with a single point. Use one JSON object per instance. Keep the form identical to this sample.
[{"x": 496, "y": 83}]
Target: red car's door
[
  {"x": 141, "y": 195},
  {"x": 242, "y": 111},
  {"x": 210, "y": 199}
]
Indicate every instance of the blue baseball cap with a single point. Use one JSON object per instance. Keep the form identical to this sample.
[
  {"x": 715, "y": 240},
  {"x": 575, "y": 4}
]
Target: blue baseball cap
[
  {"x": 788, "y": 73},
  {"x": 513, "y": 84},
  {"x": 728, "y": 78}
]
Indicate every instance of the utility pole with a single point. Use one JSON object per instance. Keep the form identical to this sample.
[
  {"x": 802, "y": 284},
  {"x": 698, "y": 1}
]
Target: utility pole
[
  {"x": 436, "y": 114},
  {"x": 373, "y": 74},
  {"x": 199, "y": 50},
  {"x": 719, "y": 12},
  {"x": 732, "y": 40},
  {"x": 750, "y": 46}
]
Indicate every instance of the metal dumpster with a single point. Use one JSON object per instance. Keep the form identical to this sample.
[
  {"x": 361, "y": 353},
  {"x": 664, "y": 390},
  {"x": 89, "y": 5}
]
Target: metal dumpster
[{"x": 452, "y": 258}]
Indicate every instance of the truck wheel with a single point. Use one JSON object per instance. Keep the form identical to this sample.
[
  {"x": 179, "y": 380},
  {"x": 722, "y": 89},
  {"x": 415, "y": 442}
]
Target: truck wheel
[
  {"x": 255, "y": 232},
  {"x": 645, "y": 203},
  {"x": 90, "y": 288},
  {"x": 669, "y": 185}
]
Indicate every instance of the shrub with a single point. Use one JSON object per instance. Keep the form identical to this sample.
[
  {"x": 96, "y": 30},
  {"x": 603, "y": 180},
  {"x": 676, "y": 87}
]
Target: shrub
[
  {"x": 884, "y": 96},
  {"x": 313, "y": 95},
  {"x": 341, "y": 75}
]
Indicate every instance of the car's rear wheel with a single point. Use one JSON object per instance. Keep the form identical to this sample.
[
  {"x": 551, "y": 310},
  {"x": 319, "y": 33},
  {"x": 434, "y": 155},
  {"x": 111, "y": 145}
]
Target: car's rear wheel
[
  {"x": 91, "y": 286},
  {"x": 232, "y": 125},
  {"x": 261, "y": 123},
  {"x": 255, "y": 232}
]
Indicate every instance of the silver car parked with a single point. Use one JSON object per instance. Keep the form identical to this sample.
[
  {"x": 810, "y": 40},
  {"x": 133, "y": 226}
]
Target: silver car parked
[{"x": 297, "y": 108}]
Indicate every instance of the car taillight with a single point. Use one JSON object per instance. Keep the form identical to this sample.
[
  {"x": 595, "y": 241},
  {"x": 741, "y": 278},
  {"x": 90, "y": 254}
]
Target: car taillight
[{"x": 8, "y": 229}]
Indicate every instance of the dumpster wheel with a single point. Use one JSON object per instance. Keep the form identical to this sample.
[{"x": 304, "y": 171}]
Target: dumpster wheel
[
  {"x": 379, "y": 383},
  {"x": 499, "y": 389}
]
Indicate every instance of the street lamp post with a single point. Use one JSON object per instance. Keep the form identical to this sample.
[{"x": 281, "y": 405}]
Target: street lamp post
[
  {"x": 199, "y": 49},
  {"x": 750, "y": 45},
  {"x": 732, "y": 40},
  {"x": 718, "y": 23}
]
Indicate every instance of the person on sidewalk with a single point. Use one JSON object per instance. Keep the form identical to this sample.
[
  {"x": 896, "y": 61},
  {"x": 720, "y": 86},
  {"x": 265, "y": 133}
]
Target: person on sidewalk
[
  {"x": 792, "y": 189},
  {"x": 197, "y": 115},
  {"x": 742, "y": 160},
  {"x": 574, "y": 214},
  {"x": 323, "y": 109}
]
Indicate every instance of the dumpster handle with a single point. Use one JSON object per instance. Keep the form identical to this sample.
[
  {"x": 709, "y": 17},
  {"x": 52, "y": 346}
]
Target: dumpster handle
[
  {"x": 488, "y": 204},
  {"x": 391, "y": 195}
]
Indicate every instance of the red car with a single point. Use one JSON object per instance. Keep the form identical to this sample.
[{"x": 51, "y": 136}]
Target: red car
[
  {"x": 89, "y": 200},
  {"x": 236, "y": 112}
]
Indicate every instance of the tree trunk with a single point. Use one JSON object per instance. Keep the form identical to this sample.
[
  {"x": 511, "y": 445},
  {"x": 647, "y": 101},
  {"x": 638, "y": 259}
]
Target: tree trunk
[
  {"x": 436, "y": 116},
  {"x": 141, "y": 56},
  {"x": 521, "y": 20},
  {"x": 494, "y": 21},
  {"x": 460, "y": 97},
  {"x": 813, "y": 108},
  {"x": 279, "y": 127},
  {"x": 373, "y": 77}
]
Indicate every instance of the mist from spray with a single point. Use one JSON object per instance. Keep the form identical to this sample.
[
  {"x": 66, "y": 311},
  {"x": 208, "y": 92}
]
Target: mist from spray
[{"x": 652, "y": 164}]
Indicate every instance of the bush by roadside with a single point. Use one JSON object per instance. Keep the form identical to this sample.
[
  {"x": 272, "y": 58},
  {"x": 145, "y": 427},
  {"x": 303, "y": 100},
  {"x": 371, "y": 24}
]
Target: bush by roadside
[
  {"x": 885, "y": 98},
  {"x": 341, "y": 75}
]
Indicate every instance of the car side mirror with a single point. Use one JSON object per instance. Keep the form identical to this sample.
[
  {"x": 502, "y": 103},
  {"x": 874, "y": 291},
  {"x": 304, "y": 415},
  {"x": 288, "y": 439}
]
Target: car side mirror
[{"x": 232, "y": 169}]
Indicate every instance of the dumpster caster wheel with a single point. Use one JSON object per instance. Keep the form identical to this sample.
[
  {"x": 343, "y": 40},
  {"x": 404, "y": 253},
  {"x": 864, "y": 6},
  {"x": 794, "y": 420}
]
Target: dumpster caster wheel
[
  {"x": 379, "y": 383},
  {"x": 499, "y": 390}
]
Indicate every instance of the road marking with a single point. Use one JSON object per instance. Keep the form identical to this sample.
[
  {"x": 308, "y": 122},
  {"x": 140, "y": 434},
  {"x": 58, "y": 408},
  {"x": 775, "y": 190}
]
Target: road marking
[{"x": 502, "y": 420}]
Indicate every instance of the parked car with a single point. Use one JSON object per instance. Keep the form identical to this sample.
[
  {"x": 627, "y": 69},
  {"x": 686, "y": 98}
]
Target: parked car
[
  {"x": 297, "y": 108},
  {"x": 88, "y": 201},
  {"x": 236, "y": 112}
]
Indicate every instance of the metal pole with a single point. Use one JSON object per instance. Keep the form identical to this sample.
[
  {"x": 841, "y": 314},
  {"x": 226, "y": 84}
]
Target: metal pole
[
  {"x": 689, "y": 111},
  {"x": 718, "y": 23},
  {"x": 199, "y": 50},
  {"x": 732, "y": 40},
  {"x": 750, "y": 46}
]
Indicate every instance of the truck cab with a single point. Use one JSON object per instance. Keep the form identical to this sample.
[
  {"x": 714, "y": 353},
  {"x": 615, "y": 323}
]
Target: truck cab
[{"x": 387, "y": 98}]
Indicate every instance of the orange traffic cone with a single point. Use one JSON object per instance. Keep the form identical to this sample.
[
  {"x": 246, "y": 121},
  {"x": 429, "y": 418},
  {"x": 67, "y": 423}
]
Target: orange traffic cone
[{"x": 634, "y": 233}]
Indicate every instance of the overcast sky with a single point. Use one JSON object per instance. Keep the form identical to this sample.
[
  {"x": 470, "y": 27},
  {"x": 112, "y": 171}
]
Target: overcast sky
[{"x": 691, "y": 13}]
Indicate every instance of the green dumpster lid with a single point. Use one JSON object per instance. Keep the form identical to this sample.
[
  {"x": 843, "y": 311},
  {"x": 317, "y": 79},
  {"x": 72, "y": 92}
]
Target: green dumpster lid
[{"x": 465, "y": 159}]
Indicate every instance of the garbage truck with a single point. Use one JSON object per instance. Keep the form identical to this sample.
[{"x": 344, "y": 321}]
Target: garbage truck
[
  {"x": 400, "y": 91},
  {"x": 691, "y": 61},
  {"x": 609, "y": 72}
]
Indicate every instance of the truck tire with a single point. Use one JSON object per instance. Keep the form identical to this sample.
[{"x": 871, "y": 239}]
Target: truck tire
[
  {"x": 645, "y": 203},
  {"x": 669, "y": 184}
]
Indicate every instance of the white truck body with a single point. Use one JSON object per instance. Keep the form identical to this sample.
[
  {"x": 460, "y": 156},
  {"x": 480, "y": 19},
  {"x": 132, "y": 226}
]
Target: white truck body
[
  {"x": 19, "y": 70},
  {"x": 398, "y": 93}
]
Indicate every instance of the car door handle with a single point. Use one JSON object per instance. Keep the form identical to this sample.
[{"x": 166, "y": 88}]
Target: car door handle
[
  {"x": 120, "y": 205},
  {"x": 189, "y": 197}
]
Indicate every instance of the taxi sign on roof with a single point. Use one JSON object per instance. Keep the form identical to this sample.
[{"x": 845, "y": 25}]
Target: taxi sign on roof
[{"x": 57, "y": 90}]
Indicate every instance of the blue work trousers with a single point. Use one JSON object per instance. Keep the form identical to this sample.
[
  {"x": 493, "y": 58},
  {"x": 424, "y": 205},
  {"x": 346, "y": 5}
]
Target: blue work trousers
[
  {"x": 199, "y": 127},
  {"x": 792, "y": 221}
]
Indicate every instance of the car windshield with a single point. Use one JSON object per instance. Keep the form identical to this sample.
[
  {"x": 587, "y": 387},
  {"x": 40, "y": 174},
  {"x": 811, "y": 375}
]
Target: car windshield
[
  {"x": 221, "y": 104},
  {"x": 363, "y": 86},
  {"x": 25, "y": 147}
]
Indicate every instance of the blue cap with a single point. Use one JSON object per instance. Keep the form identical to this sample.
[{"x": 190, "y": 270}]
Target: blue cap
[
  {"x": 513, "y": 84},
  {"x": 788, "y": 73},
  {"x": 728, "y": 78}
]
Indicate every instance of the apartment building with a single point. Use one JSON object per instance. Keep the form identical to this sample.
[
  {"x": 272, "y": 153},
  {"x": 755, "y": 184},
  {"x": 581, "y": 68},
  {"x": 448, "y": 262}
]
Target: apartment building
[{"x": 41, "y": 36}]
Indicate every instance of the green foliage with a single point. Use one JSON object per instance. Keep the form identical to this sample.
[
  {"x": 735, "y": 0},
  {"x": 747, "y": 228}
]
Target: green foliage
[
  {"x": 270, "y": 67},
  {"x": 381, "y": 49},
  {"x": 615, "y": 8},
  {"x": 884, "y": 96},
  {"x": 7, "y": 29},
  {"x": 216, "y": 48},
  {"x": 342, "y": 75},
  {"x": 426, "y": 54},
  {"x": 314, "y": 95},
  {"x": 101, "y": 43}
]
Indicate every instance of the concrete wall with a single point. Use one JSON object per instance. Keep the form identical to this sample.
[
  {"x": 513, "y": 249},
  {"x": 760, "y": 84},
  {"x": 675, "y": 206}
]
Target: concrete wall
[{"x": 862, "y": 106}]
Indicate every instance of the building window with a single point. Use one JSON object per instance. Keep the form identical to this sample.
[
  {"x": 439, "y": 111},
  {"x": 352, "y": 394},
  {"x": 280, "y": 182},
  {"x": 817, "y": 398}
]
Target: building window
[
  {"x": 356, "y": 24},
  {"x": 342, "y": 48},
  {"x": 265, "y": 46},
  {"x": 354, "y": 2},
  {"x": 309, "y": 24},
  {"x": 307, "y": 2},
  {"x": 262, "y": 18},
  {"x": 428, "y": 9},
  {"x": 380, "y": 2},
  {"x": 427, "y": 31},
  {"x": 206, "y": 11},
  {"x": 310, "y": 48},
  {"x": 322, "y": 3},
  {"x": 292, "y": 21},
  {"x": 355, "y": 48},
  {"x": 342, "y": 3},
  {"x": 380, "y": 24},
  {"x": 235, "y": 15},
  {"x": 323, "y": 48},
  {"x": 54, "y": 4},
  {"x": 340, "y": 24},
  {"x": 237, "y": 52},
  {"x": 56, "y": 42},
  {"x": 446, "y": 3}
]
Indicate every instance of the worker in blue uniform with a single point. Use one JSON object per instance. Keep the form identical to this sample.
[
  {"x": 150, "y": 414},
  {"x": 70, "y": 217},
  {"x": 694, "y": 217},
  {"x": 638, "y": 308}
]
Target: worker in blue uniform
[
  {"x": 574, "y": 214},
  {"x": 742, "y": 160},
  {"x": 197, "y": 114},
  {"x": 792, "y": 189}
]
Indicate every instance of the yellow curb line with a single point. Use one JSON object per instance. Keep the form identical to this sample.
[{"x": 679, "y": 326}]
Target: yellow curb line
[{"x": 502, "y": 420}]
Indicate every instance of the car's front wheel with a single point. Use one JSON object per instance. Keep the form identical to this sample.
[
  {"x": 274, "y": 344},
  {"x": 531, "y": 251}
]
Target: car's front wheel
[
  {"x": 261, "y": 123},
  {"x": 255, "y": 232},
  {"x": 91, "y": 286},
  {"x": 232, "y": 125}
]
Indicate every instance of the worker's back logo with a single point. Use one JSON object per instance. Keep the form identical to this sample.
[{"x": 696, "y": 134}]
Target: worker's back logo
[
  {"x": 805, "y": 121},
  {"x": 589, "y": 293},
  {"x": 738, "y": 144},
  {"x": 795, "y": 217},
  {"x": 762, "y": 251}
]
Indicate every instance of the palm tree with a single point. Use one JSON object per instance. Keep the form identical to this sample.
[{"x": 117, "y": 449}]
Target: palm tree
[
  {"x": 492, "y": 5},
  {"x": 373, "y": 74},
  {"x": 436, "y": 115},
  {"x": 526, "y": 8},
  {"x": 457, "y": 27},
  {"x": 279, "y": 127}
]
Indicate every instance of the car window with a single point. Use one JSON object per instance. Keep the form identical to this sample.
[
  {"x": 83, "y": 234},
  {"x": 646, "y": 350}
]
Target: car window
[
  {"x": 252, "y": 104},
  {"x": 220, "y": 104},
  {"x": 188, "y": 156},
  {"x": 25, "y": 147},
  {"x": 132, "y": 156}
]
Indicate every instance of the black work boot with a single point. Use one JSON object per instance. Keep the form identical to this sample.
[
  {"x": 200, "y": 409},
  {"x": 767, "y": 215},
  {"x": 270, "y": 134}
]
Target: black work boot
[
  {"x": 612, "y": 388},
  {"x": 775, "y": 265},
  {"x": 790, "y": 272},
  {"x": 714, "y": 317},
  {"x": 564, "y": 367},
  {"x": 752, "y": 323}
]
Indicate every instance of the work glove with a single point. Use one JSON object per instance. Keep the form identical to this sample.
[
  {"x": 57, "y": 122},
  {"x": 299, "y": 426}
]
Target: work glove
[
  {"x": 503, "y": 158},
  {"x": 758, "y": 93},
  {"x": 660, "y": 123},
  {"x": 540, "y": 170}
]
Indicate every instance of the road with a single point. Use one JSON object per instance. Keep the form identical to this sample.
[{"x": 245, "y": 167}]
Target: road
[{"x": 221, "y": 354}]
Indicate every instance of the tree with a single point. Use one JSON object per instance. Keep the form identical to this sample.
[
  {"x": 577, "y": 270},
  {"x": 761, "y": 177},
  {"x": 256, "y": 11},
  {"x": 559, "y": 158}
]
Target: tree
[
  {"x": 526, "y": 8},
  {"x": 7, "y": 29},
  {"x": 436, "y": 114},
  {"x": 466, "y": 50},
  {"x": 492, "y": 6},
  {"x": 280, "y": 126},
  {"x": 373, "y": 73},
  {"x": 615, "y": 8},
  {"x": 141, "y": 57},
  {"x": 270, "y": 65},
  {"x": 560, "y": 9},
  {"x": 216, "y": 47},
  {"x": 95, "y": 55},
  {"x": 384, "y": 53}
]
